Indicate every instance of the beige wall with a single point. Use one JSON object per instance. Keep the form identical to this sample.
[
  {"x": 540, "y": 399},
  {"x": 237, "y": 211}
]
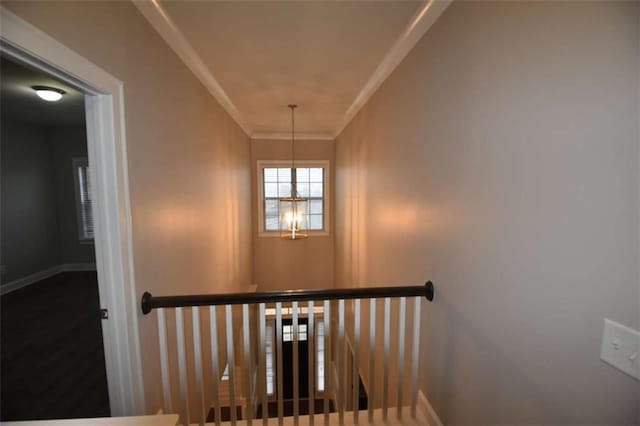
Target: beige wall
[
  {"x": 500, "y": 160},
  {"x": 188, "y": 161},
  {"x": 281, "y": 264}
]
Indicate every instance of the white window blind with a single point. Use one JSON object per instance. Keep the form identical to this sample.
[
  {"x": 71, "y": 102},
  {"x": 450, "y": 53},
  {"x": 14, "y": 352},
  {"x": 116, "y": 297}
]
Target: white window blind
[{"x": 84, "y": 199}]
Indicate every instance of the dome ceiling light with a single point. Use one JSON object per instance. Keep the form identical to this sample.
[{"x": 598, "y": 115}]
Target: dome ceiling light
[{"x": 49, "y": 94}]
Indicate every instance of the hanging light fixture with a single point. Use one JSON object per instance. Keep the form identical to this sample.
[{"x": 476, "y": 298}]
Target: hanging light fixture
[{"x": 294, "y": 211}]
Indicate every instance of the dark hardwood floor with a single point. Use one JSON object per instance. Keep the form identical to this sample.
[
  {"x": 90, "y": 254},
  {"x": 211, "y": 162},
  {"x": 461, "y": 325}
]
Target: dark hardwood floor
[{"x": 51, "y": 350}]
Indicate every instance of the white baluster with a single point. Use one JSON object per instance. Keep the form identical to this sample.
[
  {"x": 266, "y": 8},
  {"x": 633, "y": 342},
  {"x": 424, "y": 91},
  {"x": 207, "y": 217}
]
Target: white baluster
[
  {"x": 372, "y": 357},
  {"x": 248, "y": 363},
  {"x": 231, "y": 363},
  {"x": 327, "y": 324},
  {"x": 278, "y": 349},
  {"x": 164, "y": 361},
  {"x": 356, "y": 374},
  {"x": 402, "y": 315},
  {"x": 197, "y": 355},
  {"x": 182, "y": 364},
  {"x": 341, "y": 356},
  {"x": 311, "y": 338},
  {"x": 296, "y": 390},
  {"x": 385, "y": 374},
  {"x": 263, "y": 363},
  {"x": 215, "y": 362},
  {"x": 415, "y": 357}
]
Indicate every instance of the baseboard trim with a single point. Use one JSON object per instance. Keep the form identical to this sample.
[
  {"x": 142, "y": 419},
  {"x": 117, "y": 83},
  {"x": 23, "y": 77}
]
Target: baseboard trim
[
  {"x": 41, "y": 275},
  {"x": 427, "y": 410}
]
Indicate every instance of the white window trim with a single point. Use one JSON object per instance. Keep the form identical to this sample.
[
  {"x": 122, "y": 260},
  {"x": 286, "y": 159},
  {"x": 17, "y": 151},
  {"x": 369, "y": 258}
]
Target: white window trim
[
  {"x": 79, "y": 162},
  {"x": 325, "y": 164}
]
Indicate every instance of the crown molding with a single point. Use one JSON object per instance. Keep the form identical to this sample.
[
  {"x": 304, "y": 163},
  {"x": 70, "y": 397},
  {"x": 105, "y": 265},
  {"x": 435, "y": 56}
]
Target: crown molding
[
  {"x": 423, "y": 19},
  {"x": 287, "y": 136},
  {"x": 164, "y": 25}
]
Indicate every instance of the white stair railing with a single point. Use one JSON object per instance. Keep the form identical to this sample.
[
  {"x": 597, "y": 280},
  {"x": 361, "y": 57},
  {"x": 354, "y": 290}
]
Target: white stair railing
[{"x": 202, "y": 392}]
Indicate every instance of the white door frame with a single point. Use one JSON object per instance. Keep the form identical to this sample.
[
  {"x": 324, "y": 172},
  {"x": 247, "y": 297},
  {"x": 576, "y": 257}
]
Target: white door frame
[{"x": 106, "y": 143}]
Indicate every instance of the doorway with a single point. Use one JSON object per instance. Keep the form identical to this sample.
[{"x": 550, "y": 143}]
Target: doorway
[
  {"x": 106, "y": 139},
  {"x": 51, "y": 349}
]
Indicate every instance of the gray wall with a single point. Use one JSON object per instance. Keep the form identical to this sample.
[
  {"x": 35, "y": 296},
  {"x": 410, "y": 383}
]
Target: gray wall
[
  {"x": 29, "y": 225},
  {"x": 39, "y": 219},
  {"x": 500, "y": 160}
]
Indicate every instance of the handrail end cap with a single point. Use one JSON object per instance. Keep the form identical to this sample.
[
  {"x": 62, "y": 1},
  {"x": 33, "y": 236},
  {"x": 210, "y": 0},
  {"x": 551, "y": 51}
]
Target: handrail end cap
[
  {"x": 145, "y": 304},
  {"x": 429, "y": 291}
]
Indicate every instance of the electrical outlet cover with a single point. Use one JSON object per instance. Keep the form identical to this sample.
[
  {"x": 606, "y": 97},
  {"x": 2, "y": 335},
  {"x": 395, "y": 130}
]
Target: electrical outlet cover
[{"x": 621, "y": 348}]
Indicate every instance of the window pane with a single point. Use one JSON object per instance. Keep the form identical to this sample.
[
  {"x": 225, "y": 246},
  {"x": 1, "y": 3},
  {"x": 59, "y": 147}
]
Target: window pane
[
  {"x": 270, "y": 175},
  {"x": 284, "y": 190},
  {"x": 271, "y": 223},
  {"x": 284, "y": 175},
  {"x": 271, "y": 207},
  {"x": 302, "y": 175},
  {"x": 303, "y": 189},
  {"x": 302, "y": 207},
  {"x": 270, "y": 189},
  {"x": 315, "y": 175},
  {"x": 315, "y": 222},
  {"x": 287, "y": 333},
  {"x": 315, "y": 206},
  {"x": 315, "y": 190}
]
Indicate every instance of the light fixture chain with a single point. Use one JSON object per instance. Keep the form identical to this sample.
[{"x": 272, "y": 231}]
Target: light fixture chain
[{"x": 294, "y": 191}]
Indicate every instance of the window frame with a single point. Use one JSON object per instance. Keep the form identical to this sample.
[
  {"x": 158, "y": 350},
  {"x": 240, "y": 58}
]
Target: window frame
[
  {"x": 326, "y": 194},
  {"x": 78, "y": 162}
]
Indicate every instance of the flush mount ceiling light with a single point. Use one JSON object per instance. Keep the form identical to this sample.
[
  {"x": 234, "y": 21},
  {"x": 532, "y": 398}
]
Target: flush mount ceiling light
[
  {"x": 294, "y": 211},
  {"x": 50, "y": 94}
]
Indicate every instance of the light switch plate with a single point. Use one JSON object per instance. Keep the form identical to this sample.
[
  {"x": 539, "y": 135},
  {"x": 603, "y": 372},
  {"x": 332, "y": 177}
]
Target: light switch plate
[{"x": 621, "y": 348}]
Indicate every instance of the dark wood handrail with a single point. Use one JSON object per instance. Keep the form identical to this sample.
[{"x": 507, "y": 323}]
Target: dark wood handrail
[{"x": 150, "y": 302}]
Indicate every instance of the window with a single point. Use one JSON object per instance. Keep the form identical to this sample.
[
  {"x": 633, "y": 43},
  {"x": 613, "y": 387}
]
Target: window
[
  {"x": 287, "y": 333},
  {"x": 276, "y": 182},
  {"x": 83, "y": 198}
]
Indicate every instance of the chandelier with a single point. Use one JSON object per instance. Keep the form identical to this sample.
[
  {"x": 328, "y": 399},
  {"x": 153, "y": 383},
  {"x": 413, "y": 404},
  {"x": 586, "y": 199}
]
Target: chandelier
[{"x": 294, "y": 210}]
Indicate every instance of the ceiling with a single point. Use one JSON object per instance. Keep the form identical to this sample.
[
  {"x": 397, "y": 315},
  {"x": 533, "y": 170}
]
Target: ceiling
[
  {"x": 19, "y": 101},
  {"x": 257, "y": 57}
]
